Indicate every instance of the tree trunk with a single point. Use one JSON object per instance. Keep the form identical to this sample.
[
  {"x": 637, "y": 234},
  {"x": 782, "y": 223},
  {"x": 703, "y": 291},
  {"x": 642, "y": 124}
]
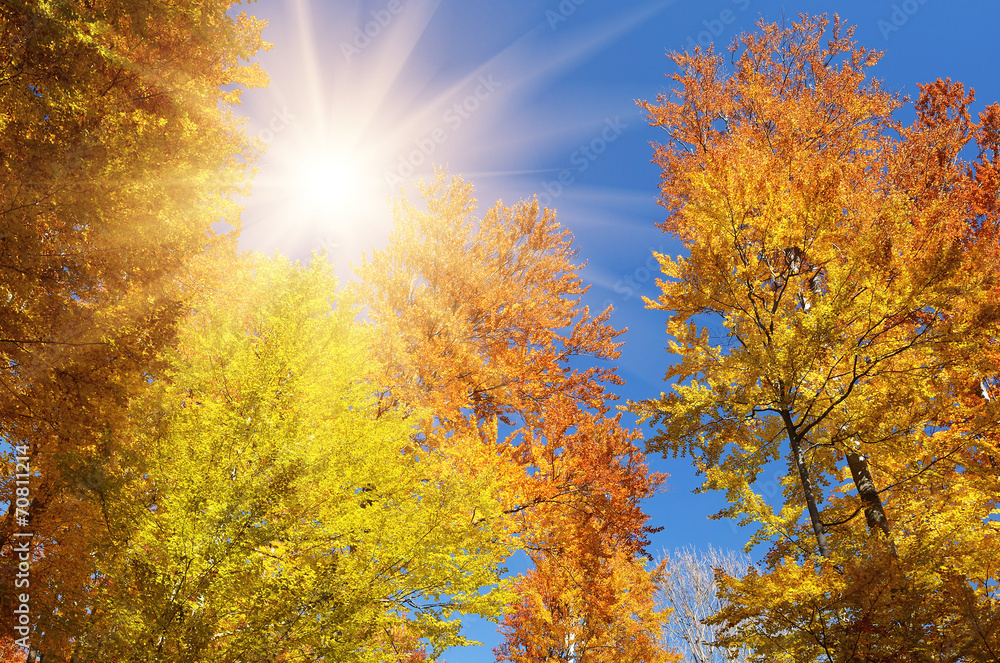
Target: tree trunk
[
  {"x": 874, "y": 510},
  {"x": 800, "y": 462}
]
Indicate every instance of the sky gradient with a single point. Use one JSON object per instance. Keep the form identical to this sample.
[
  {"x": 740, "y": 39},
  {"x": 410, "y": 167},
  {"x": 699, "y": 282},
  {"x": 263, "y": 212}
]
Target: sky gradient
[{"x": 535, "y": 97}]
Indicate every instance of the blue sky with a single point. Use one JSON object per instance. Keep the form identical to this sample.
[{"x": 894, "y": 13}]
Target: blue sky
[{"x": 534, "y": 97}]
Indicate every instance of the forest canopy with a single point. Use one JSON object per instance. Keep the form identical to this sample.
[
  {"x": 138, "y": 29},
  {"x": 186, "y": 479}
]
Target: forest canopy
[{"x": 217, "y": 455}]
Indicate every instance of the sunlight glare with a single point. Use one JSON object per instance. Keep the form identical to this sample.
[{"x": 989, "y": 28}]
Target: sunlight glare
[
  {"x": 332, "y": 186},
  {"x": 348, "y": 131}
]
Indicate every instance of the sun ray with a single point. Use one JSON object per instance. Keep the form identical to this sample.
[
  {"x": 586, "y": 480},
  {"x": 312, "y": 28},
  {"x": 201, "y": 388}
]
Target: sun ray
[
  {"x": 368, "y": 121},
  {"x": 314, "y": 85}
]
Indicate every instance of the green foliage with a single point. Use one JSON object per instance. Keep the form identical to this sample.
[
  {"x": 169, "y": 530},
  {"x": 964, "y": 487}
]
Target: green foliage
[{"x": 278, "y": 515}]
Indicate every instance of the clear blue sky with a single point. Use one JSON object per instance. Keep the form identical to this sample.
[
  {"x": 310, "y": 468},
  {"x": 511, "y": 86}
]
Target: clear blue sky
[{"x": 508, "y": 93}]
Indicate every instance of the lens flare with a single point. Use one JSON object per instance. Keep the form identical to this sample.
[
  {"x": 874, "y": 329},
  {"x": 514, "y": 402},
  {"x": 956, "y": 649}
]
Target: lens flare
[
  {"x": 332, "y": 186},
  {"x": 358, "y": 117}
]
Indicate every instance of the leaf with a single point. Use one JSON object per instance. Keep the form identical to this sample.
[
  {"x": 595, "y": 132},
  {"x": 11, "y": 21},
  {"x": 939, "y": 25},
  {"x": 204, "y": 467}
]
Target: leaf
[
  {"x": 480, "y": 321},
  {"x": 849, "y": 267}
]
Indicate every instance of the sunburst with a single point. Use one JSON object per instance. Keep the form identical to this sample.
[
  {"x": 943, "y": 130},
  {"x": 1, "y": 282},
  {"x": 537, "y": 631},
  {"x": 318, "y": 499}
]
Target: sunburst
[{"x": 350, "y": 120}]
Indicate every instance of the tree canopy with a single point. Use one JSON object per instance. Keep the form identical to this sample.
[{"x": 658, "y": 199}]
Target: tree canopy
[
  {"x": 838, "y": 312},
  {"x": 213, "y": 455},
  {"x": 481, "y": 320},
  {"x": 276, "y": 513},
  {"x": 118, "y": 151}
]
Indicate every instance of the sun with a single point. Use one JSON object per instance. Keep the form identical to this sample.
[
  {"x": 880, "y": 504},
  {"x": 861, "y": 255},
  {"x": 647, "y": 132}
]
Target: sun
[
  {"x": 352, "y": 121},
  {"x": 331, "y": 185}
]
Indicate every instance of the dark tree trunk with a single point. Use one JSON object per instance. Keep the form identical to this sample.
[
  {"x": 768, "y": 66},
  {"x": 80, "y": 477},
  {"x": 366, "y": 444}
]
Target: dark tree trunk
[
  {"x": 874, "y": 510},
  {"x": 795, "y": 443}
]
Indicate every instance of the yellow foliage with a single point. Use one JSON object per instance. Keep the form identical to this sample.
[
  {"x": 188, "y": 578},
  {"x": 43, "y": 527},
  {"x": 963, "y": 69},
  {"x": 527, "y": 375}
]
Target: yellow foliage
[
  {"x": 276, "y": 511},
  {"x": 853, "y": 270}
]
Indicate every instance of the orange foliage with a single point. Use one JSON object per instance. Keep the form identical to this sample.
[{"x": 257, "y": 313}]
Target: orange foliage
[
  {"x": 118, "y": 152},
  {"x": 481, "y": 322},
  {"x": 854, "y": 266}
]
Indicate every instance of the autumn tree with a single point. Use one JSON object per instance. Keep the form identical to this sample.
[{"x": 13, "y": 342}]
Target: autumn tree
[
  {"x": 118, "y": 151},
  {"x": 837, "y": 312},
  {"x": 482, "y": 324},
  {"x": 275, "y": 514}
]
